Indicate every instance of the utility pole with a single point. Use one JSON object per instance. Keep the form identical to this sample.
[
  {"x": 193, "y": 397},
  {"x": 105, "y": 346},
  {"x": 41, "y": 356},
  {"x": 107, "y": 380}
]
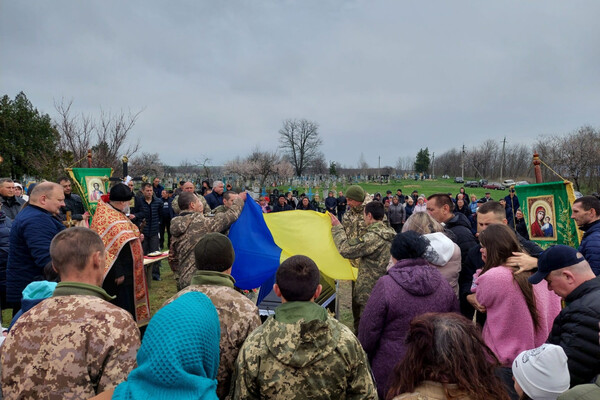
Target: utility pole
[
  {"x": 379, "y": 168},
  {"x": 462, "y": 162},
  {"x": 502, "y": 164},
  {"x": 433, "y": 165}
]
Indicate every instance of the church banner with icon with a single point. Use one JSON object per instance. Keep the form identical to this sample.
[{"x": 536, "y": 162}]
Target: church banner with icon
[
  {"x": 90, "y": 184},
  {"x": 547, "y": 212}
]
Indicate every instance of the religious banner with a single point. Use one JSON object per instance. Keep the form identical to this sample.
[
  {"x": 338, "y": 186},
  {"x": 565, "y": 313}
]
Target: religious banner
[
  {"x": 90, "y": 184},
  {"x": 547, "y": 212}
]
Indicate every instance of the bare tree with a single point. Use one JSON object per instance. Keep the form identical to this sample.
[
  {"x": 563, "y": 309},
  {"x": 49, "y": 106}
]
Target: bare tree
[
  {"x": 204, "y": 162},
  {"x": 107, "y": 137},
  {"x": 300, "y": 140},
  {"x": 75, "y": 132},
  {"x": 260, "y": 165},
  {"x": 319, "y": 165},
  {"x": 363, "y": 166},
  {"x": 147, "y": 164},
  {"x": 112, "y": 133}
]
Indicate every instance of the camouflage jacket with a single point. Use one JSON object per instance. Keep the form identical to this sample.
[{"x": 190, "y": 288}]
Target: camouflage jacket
[
  {"x": 187, "y": 229},
  {"x": 238, "y": 316},
  {"x": 307, "y": 359},
  {"x": 206, "y": 210},
  {"x": 373, "y": 251},
  {"x": 355, "y": 226},
  {"x": 69, "y": 347}
]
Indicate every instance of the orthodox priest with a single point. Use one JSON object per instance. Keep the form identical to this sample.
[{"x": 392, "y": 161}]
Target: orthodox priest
[{"x": 124, "y": 274}]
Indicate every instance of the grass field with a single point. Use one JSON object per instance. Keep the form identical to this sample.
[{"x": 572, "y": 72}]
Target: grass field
[{"x": 427, "y": 187}]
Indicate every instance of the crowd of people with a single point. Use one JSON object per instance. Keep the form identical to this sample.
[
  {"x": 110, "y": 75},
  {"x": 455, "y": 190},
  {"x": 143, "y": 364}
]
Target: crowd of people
[{"x": 451, "y": 300}]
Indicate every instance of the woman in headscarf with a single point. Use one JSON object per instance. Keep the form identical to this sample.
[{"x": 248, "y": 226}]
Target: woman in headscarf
[{"x": 179, "y": 356}]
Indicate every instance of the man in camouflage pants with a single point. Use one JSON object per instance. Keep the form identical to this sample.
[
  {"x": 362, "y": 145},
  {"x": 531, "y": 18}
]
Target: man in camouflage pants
[
  {"x": 372, "y": 250},
  {"x": 301, "y": 352},
  {"x": 189, "y": 227},
  {"x": 74, "y": 344},
  {"x": 238, "y": 316}
]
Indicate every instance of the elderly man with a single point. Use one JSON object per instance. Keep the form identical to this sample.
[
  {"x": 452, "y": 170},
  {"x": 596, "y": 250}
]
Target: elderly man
[
  {"x": 190, "y": 226},
  {"x": 215, "y": 198},
  {"x": 576, "y": 328},
  {"x": 73, "y": 202},
  {"x": 11, "y": 204},
  {"x": 74, "y": 344},
  {"x": 238, "y": 316},
  {"x": 124, "y": 254},
  {"x": 30, "y": 237},
  {"x": 189, "y": 188}
]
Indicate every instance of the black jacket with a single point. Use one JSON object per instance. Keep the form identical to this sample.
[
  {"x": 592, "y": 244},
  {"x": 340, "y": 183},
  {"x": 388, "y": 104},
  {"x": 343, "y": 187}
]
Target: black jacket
[
  {"x": 575, "y": 329},
  {"x": 459, "y": 225},
  {"x": 74, "y": 204},
  {"x": 150, "y": 213},
  {"x": 276, "y": 207}
]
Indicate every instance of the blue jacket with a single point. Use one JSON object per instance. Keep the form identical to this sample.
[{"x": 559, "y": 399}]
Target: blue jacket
[
  {"x": 214, "y": 200},
  {"x": 590, "y": 246},
  {"x": 5, "y": 224},
  {"x": 166, "y": 212},
  {"x": 32, "y": 231},
  {"x": 149, "y": 212}
]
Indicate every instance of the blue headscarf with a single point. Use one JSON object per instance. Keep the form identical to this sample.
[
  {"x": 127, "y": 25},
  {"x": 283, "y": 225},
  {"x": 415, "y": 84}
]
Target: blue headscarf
[{"x": 179, "y": 356}]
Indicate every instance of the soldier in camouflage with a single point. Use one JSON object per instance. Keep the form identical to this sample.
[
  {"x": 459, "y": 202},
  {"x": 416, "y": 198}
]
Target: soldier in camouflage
[
  {"x": 189, "y": 187},
  {"x": 372, "y": 250},
  {"x": 301, "y": 352},
  {"x": 238, "y": 316},
  {"x": 74, "y": 344},
  {"x": 228, "y": 198},
  {"x": 189, "y": 227}
]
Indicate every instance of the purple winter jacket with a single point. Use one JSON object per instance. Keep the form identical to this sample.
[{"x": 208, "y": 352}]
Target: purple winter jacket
[{"x": 411, "y": 287}]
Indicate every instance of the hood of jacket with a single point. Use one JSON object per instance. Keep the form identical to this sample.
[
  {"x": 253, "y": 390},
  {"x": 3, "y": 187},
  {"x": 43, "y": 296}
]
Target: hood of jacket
[
  {"x": 457, "y": 220},
  {"x": 180, "y": 224},
  {"x": 416, "y": 276},
  {"x": 301, "y": 343},
  {"x": 440, "y": 249}
]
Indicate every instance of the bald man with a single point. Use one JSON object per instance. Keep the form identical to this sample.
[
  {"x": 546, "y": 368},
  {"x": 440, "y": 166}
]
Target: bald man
[
  {"x": 32, "y": 231},
  {"x": 190, "y": 188}
]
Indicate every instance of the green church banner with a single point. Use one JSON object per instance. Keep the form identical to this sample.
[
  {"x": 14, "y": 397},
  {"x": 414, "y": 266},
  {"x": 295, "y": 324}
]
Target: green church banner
[
  {"x": 547, "y": 212},
  {"x": 90, "y": 184}
]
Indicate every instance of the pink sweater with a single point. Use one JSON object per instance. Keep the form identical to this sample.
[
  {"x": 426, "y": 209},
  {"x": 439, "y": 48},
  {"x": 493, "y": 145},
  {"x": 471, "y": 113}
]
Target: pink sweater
[{"x": 509, "y": 327}]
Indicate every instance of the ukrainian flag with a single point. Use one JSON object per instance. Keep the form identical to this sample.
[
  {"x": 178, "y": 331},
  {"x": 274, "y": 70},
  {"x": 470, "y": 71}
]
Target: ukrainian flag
[{"x": 263, "y": 241}]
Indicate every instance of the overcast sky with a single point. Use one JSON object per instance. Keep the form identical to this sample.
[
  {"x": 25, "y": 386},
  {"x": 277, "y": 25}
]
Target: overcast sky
[{"x": 382, "y": 78}]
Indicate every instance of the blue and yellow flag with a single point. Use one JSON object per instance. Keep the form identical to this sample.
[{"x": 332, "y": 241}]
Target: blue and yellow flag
[{"x": 262, "y": 241}]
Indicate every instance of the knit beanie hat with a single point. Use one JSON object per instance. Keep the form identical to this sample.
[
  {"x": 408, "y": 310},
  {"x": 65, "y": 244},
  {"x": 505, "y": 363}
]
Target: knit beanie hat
[
  {"x": 407, "y": 245},
  {"x": 179, "y": 356},
  {"x": 120, "y": 192},
  {"x": 214, "y": 252},
  {"x": 542, "y": 373},
  {"x": 355, "y": 193}
]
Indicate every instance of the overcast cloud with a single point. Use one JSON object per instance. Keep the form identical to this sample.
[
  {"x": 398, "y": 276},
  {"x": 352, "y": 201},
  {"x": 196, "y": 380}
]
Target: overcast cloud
[{"x": 383, "y": 78}]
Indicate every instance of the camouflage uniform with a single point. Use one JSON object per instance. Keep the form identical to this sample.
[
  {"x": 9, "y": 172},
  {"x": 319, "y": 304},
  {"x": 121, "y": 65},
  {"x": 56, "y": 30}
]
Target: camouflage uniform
[
  {"x": 238, "y": 316},
  {"x": 373, "y": 251},
  {"x": 355, "y": 226},
  {"x": 187, "y": 229},
  {"x": 69, "y": 347},
  {"x": 311, "y": 358},
  {"x": 218, "y": 210},
  {"x": 205, "y": 211}
]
